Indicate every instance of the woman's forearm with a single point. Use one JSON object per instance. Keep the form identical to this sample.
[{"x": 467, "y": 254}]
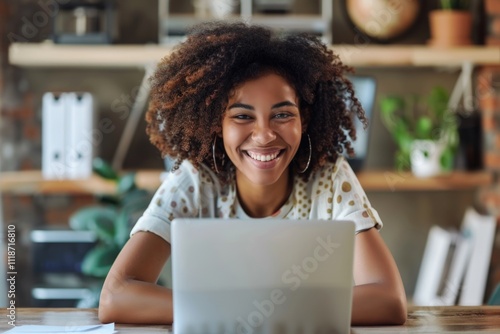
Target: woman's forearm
[
  {"x": 130, "y": 293},
  {"x": 148, "y": 303},
  {"x": 137, "y": 302},
  {"x": 374, "y": 304}
]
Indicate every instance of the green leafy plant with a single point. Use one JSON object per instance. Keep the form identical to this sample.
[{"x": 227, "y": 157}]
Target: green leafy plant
[
  {"x": 455, "y": 4},
  {"x": 412, "y": 118},
  {"x": 110, "y": 220}
]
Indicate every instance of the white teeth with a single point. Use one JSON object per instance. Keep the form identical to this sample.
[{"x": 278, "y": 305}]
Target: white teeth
[{"x": 259, "y": 157}]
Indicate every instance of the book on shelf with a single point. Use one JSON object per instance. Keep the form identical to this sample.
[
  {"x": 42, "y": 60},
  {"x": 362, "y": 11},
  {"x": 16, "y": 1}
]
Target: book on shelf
[
  {"x": 455, "y": 264},
  {"x": 481, "y": 230},
  {"x": 438, "y": 250}
]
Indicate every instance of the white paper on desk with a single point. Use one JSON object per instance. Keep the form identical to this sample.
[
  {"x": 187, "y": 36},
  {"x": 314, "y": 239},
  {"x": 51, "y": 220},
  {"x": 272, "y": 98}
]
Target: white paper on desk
[{"x": 39, "y": 329}]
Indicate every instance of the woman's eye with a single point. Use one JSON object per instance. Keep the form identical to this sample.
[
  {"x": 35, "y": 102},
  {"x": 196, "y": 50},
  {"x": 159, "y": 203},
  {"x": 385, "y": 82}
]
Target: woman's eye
[
  {"x": 242, "y": 117},
  {"x": 282, "y": 116}
]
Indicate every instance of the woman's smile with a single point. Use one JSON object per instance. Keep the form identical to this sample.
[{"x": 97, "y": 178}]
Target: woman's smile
[
  {"x": 264, "y": 160},
  {"x": 264, "y": 157}
]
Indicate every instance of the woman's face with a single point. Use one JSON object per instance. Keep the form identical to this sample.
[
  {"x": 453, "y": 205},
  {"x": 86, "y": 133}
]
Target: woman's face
[{"x": 262, "y": 129}]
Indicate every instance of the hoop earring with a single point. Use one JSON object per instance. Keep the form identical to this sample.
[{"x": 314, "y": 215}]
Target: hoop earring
[
  {"x": 310, "y": 154},
  {"x": 213, "y": 156}
]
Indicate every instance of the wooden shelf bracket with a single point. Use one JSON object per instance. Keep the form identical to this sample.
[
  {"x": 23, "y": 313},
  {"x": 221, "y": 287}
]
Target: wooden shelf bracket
[
  {"x": 134, "y": 118},
  {"x": 463, "y": 90}
]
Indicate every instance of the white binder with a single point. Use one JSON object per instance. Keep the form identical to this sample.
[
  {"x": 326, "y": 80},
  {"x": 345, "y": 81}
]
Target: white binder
[
  {"x": 482, "y": 232},
  {"x": 79, "y": 152},
  {"x": 67, "y": 145},
  {"x": 54, "y": 136},
  {"x": 432, "y": 269}
]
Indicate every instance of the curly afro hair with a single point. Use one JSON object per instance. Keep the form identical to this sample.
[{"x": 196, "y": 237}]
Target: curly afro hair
[{"x": 191, "y": 87}]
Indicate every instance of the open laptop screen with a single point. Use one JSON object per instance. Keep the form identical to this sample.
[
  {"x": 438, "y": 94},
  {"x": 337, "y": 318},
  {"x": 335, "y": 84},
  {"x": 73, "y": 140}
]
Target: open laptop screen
[{"x": 262, "y": 275}]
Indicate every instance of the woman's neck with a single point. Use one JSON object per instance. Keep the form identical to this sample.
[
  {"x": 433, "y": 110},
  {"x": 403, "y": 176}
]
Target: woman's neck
[{"x": 263, "y": 201}]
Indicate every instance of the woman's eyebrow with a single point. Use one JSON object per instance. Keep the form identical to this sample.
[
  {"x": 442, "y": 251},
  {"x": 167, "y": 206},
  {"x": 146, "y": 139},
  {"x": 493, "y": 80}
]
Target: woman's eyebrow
[
  {"x": 249, "y": 107},
  {"x": 241, "y": 105},
  {"x": 284, "y": 104}
]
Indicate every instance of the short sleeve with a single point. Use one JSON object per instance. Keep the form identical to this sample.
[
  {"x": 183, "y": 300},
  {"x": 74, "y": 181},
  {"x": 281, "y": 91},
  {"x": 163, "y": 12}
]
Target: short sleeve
[
  {"x": 349, "y": 199},
  {"x": 177, "y": 196}
]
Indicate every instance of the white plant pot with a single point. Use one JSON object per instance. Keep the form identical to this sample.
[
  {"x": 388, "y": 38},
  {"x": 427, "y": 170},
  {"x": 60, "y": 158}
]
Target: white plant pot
[{"x": 425, "y": 157}]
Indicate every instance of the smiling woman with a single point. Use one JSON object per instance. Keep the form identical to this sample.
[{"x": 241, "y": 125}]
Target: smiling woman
[{"x": 257, "y": 123}]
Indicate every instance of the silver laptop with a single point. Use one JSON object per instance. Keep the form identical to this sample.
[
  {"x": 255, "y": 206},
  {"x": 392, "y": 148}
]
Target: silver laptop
[{"x": 265, "y": 276}]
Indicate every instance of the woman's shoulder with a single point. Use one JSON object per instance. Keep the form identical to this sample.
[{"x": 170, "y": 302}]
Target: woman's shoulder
[
  {"x": 187, "y": 170},
  {"x": 332, "y": 169},
  {"x": 191, "y": 178}
]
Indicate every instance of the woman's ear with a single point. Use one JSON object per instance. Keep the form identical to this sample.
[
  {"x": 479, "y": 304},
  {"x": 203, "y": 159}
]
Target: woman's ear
[
  {"x": 305, "y": 123},
  {"x": 304, "y": 119}
]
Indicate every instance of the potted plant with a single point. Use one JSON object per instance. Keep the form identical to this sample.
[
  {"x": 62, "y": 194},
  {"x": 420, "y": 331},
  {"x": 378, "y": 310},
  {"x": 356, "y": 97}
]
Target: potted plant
[
  {"x": 425, "y": 131},
  {"x": 451, "y": 24},
  {"x": 111, "y": 221}
]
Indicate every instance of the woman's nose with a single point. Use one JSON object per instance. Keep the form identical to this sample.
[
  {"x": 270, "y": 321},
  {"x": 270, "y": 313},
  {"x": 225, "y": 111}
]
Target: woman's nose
[{"x": 263, "y": 133}]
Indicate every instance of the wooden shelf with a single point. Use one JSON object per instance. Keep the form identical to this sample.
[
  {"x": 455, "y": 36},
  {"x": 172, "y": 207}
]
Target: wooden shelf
[
  {"x": 31, "y": 182},
  {"x": 64, "y": 55},
  {"x": 405, "y": 181},
  {"x": 415, "y": 55},
  {"x": 130, "y": 56}
]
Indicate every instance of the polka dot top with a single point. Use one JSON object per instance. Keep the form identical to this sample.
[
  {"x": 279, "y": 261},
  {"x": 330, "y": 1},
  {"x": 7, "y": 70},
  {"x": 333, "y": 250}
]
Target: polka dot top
[{"x": 332, "y": 193}]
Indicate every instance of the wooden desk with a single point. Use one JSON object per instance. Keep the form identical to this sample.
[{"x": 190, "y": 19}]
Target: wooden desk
[{"x": 420, "y": 320}]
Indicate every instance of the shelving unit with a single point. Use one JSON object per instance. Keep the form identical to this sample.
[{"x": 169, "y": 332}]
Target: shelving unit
[
  {"x": 142, "y": 56},
  {"x": 32, "y": 182}
]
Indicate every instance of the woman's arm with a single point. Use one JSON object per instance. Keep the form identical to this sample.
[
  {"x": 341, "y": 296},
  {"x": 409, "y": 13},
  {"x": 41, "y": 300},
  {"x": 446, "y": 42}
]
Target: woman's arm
[
  {"x": 130, "y": 293},
  {"x": 379, "y": 296}
]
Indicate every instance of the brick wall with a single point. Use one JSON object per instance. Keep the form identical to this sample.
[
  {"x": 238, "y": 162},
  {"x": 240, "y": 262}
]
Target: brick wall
[
  {"x": 20, "y": 126},
  {"x": 492, "y": 8},
  {"x": 488, "y": 94}
]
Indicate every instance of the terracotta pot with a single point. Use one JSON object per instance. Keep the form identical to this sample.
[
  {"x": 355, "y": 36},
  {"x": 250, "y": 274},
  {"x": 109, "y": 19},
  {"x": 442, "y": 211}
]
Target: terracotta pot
[{"x": 450, "y": 28}]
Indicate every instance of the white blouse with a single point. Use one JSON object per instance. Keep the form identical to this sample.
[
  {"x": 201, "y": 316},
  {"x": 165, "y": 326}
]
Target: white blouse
[{"x": 332, "y": 193}]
